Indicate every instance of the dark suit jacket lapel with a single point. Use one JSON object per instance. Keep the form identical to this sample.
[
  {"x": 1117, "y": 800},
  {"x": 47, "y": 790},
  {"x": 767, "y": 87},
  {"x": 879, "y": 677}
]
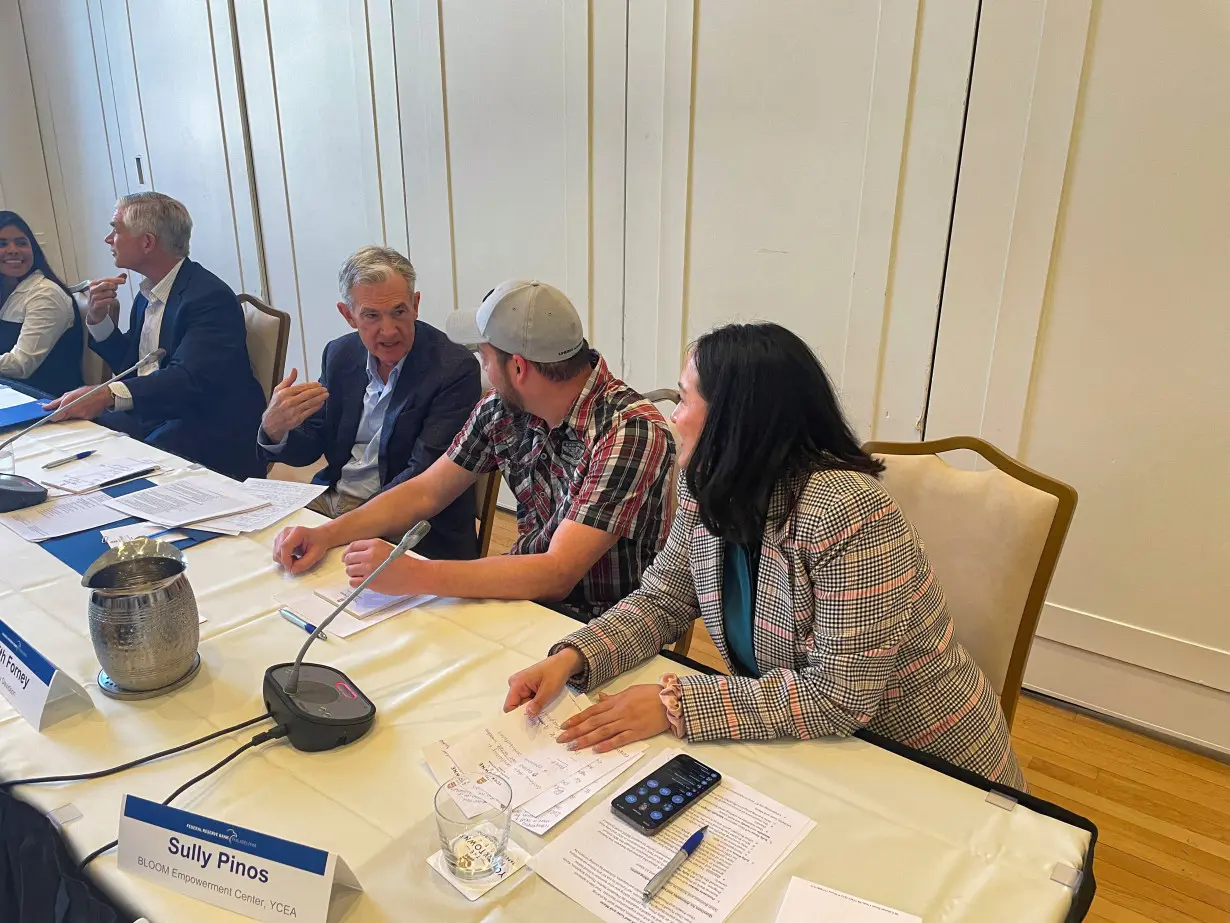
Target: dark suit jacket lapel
[
  {"x": 136, "y": 320},
  {"x": 352, "y": 382},
  {"x": 401, "y": 394},
  {"x": 170, "y": 311}
]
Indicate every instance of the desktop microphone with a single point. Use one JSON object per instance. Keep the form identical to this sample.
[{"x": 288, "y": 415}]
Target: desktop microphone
[
  {"x": 319, "y": 705},
  {"x": 17, "y": 492}
]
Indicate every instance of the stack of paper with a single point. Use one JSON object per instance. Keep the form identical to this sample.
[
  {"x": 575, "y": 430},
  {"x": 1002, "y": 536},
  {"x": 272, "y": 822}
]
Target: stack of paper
[
  {"x": 82, "y": 477},
  {"x": 278, "y": 500},
  {"x": 604, "y": 864},
  {"x": 62, "y": 516},
  {"x": 187, "y": 501},
  {"x": 548, "y": 780}
]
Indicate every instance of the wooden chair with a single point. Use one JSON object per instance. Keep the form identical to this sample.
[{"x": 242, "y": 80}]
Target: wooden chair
[
  {"x": 993, "y": 538},
  {"x": 268, "y": 333},
  {"x": 671, "y": 396},
  {"x": 486, "y": 491}
]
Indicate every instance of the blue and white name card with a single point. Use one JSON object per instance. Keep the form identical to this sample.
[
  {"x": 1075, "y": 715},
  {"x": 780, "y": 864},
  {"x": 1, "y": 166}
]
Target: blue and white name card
[
  {"x": 32, "y": 685},
  {"x": 255, "y": 874}
]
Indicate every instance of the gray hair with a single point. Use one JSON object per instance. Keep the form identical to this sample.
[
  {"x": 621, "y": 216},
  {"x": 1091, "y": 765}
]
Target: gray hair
[
  {"x": 369, "y": 265},
  {"x": 158, "y": 214}
]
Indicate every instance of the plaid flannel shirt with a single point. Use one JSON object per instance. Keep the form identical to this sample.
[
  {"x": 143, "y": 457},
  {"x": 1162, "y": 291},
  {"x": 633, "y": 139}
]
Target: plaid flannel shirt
[
  {"x": 850, "y": 630},
  {"x": 606, "y": 465}
]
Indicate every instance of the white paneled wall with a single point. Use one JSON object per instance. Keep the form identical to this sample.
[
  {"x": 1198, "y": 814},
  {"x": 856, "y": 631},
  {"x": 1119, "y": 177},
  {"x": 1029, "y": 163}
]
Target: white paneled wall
[
  {"x": 512, "y": 139},
  {"x": 1085, "y": 331},
  {"x": 769, "y": 163},
  {"x": 77, "y": 139},
  {"x": 317, "y": 76},
  {"x": 671, "y": 164}
]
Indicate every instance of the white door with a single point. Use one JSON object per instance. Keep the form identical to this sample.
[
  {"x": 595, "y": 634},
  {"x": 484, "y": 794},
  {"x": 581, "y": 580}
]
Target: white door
[
  {"x": 181, "y": 128},
  {"x": 797, "y": 166},
  {"x": 322, "y": 107}
]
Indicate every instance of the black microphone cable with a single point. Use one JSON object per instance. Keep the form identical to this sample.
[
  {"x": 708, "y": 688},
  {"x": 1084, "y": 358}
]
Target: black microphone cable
[
  {"x": 256, "y": 741},
  {"x": 100, "y": 773}
]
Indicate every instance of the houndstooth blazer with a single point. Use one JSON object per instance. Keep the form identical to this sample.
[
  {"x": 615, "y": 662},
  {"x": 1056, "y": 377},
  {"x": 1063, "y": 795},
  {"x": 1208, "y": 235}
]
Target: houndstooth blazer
[{"x": 850, "y": 630}]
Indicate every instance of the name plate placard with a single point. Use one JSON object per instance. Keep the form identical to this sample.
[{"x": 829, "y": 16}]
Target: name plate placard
[
  {"x": 32, "y": 685},
  {"x": 254, "y": 874}
]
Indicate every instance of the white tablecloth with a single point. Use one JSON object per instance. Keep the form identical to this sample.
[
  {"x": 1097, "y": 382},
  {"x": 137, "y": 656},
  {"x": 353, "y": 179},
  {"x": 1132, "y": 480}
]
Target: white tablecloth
[{"x": 887, "y": 829}]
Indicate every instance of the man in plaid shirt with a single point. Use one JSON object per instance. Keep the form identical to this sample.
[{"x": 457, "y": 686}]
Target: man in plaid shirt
[{"x": 586, "y": 456}]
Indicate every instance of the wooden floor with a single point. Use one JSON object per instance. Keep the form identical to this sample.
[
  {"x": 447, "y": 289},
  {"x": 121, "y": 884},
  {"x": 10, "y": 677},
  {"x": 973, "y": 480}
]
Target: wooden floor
[{"x": 1163, "y": 813}]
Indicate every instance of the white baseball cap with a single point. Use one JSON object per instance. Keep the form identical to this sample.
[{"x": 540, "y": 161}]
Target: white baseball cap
[{"x": 530, "y": 319}]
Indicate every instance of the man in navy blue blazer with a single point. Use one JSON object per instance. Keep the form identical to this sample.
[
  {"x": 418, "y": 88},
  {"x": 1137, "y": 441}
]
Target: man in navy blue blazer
[
  {"x": 201, "y": 401},
  {"x": 392, "y": 396}
]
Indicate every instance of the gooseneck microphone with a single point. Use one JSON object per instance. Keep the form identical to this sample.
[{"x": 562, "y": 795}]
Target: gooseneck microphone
[
  {"x": 318, "y": 704},
  {"x": 17, "y": 492}
]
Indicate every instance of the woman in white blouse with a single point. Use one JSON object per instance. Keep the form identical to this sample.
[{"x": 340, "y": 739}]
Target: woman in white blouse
[{"x": 41, "y": 339}]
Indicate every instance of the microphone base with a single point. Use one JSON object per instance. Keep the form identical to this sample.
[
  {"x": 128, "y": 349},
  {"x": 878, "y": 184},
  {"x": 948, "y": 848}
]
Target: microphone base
[
  {"x": 327, "y": 710},
  {"x": 17, "y": 493}
]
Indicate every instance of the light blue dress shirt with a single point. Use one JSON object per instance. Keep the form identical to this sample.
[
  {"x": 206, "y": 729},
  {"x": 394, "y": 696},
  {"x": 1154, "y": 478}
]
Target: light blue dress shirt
[{"x": 360, "y": 476}]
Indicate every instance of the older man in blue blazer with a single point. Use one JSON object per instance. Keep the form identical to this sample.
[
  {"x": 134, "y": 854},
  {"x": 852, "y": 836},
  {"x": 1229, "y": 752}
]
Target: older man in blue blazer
[
  {"x": 201, "y": 401},
  {"x": 392, "y": 396}
]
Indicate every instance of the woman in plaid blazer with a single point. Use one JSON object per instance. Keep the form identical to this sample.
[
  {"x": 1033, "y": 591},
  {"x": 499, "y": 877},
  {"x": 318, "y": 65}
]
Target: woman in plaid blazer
[{"x": 808, "y": 576}]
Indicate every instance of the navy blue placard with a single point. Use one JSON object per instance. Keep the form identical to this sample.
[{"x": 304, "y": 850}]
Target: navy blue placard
[
  {"x": 39, "y": 665},
  {"x": 81, "y": 549},
  {"x": 239, "y": 839}
]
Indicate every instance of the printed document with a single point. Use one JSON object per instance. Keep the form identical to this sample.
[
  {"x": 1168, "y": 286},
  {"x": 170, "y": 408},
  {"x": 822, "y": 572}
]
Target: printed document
[
  {"x": 282, "y": 497},
  {"x": 62, "y": 516},
  {"x": 806, "y": 902},
  {"x": 83, "y": 476},
  {"x": 604, "y": 864},
  {"x": 592, "y": 774},
  {"x": 183, "y": 502},
  {"x": 524, "y": 751}
]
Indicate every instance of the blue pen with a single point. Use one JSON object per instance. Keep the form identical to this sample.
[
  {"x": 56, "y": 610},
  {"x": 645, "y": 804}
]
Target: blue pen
[
  {"x": 68, "y": 458},
  {"x": 306, "y": 626},
  {"x": 658, "y": 882}
]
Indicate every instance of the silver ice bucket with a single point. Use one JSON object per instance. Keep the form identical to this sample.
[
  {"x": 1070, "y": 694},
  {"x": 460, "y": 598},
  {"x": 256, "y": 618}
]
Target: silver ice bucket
[{"x": 143, "y": 617}]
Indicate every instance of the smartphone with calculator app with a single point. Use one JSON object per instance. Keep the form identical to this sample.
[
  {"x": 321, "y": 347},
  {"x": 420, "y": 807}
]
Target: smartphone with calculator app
[{"x": 654, "y": 802}]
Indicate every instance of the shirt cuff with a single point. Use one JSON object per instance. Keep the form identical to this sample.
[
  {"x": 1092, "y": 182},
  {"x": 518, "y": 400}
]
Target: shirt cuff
[
  {"x": 670, "y": 693},
  {"x": 103, "y": 329},
  {"x": 262, "y": 440},
  {"x": 123, "y": 397}
]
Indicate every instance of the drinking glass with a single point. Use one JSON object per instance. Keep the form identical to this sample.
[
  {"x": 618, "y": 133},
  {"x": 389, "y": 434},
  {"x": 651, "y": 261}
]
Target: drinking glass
[
  {"x": 474, "y": 847},
  {"x": 8, "y": 463}
]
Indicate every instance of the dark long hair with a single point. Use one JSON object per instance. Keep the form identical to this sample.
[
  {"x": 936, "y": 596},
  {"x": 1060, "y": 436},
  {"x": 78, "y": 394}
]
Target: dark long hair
[
  {"x": 773, "y": 417},
  {"x": 40, "y": 258}
]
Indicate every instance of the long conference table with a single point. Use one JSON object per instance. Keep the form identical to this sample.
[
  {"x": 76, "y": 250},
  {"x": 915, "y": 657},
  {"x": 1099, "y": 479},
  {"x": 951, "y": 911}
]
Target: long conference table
[{"x": 888, "y": 829}]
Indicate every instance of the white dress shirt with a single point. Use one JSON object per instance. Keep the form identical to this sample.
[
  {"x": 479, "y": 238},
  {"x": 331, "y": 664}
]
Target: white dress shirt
[
  {"x": 156, "y": 293},
  {"x": 45, "y": 312},
  {"x": 360, "y": 477}
]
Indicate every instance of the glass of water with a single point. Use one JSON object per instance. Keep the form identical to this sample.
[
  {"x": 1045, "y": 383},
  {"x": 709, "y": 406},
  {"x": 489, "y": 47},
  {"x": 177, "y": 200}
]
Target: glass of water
[
  {"x": 474, "y": 847},
  {"x": 8, "y": 463}
]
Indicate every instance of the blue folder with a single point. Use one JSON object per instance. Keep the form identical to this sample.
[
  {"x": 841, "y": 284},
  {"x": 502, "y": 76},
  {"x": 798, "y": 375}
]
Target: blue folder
[
  {"x": 23, "y": 414},
  {"x": 81, "y": 549}
]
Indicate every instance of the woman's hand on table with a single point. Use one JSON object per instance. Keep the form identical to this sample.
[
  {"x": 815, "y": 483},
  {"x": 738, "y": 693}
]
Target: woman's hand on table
[
  {"x": 542, "y": 682},
  {"x": 635, "y": 714}
]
